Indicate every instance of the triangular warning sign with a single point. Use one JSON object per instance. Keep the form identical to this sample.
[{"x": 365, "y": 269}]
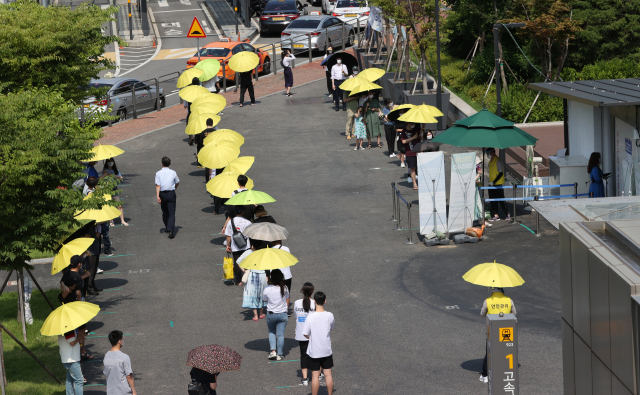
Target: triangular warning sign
[{"x": 196, "y": 30}]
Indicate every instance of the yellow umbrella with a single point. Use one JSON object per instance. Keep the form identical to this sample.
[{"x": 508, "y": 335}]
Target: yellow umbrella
[
  {"x": 402, "y": 107},
  {"x": 364, "y": 87},
  {"x": 223, "y": 184},
  {"x": 193, "y": 92},
  {"x": 352, "y": 83},
  {"x": 421, "y": 114},
  {"x": 268, "y": 259},
  {"x": 206, "y": 108},
  {"x": 244, "y": 61},
  {"x": 240, "y": 165},
  {"x": 102, "y": 152},
  {"x": 218, "y": 154},
  {"x": 106, "y": 213},
  {"x": 198, "y": 122},
  {"x": 187, "y": 77},
  {"x": 371, "y": 74},
  {"x": 74, "y": 247},
  {"x": 68, "y": 317},
  {"x": 225, "y": 134},
  {"x": 210, "y": 98},
  {"x": 493, "y": 275}
]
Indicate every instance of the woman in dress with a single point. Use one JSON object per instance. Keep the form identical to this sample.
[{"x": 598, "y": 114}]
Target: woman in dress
[
  {"x": 287, "y": 57},
  {"x": 276, "y": 294},
  {"x": 302, "y": 308},
  {"x": 111, "y": 169},
  {"x": 360, "y": 129},
  {"x": 372, "y": 111},
  {"x": 596, "y": 176},
  {"x": 253, "y": 288}
]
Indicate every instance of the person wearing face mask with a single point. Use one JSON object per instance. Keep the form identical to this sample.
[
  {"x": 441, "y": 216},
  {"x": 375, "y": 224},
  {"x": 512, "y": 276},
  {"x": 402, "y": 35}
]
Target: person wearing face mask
[
  {"x": 327, "y": 72},
  {"x": 111, "y": 169},
  {"x": 338, "y": 73},
  {"x": 496, "y": 178},
  {"x": 409, "y": 138},
  {"x": 287, "y": 58},
  {"x": 372, "y": 113},
  {"x": 389, "y": 129}
]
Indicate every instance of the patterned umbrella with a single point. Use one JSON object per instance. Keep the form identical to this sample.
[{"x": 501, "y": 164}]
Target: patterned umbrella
[{"x": 214, "y": 358}]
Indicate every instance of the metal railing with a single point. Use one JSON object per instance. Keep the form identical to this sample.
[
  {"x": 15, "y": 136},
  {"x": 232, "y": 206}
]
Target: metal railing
[{"x": 396, "y": 213}]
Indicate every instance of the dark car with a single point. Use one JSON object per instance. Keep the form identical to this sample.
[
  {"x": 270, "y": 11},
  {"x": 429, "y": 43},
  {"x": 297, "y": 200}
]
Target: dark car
[{"x": 277, "y": 14}]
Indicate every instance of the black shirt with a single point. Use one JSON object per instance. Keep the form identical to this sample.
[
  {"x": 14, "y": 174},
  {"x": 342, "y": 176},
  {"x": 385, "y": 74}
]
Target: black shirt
[
  {"x": 245, "y": 78},
  {"x": 204, "y": 378},
  {"x": 77, "y": 278},
  {"x": 266, "y": 218}
]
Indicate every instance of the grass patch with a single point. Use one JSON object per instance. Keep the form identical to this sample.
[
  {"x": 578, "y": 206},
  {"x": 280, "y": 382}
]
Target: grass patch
[
  {"x": 41, "y": 254},
  {"x": 24, "y": 375}
]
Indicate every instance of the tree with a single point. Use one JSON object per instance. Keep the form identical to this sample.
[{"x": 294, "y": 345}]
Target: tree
[{"x": 53, "y": 47}]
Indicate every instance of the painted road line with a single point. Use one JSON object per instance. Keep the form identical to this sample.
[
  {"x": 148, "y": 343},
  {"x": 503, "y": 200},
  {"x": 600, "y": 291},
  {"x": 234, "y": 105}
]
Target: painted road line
[
  {"x": 108, "y": 312},
  {"x": 171, "y": 323},
  {"x": 177, "y": 53},
  {"x": 112, "y": 289},
  {"x": 158, "y": 42},
  {"x": 163, "y": 3},
  {"x": 110, "y": 272},
  {"x": 291, "y": 360},
  {"x": 193, "y": 9},
  {"x": 115, "y": 256}
]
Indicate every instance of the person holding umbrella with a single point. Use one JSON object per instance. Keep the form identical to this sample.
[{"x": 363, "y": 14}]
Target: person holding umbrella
[
  {"x": 246, "y": 84},
  {"x": 207, "y": 363},
  {"x": 194, "y": 82},
  {"x": 409, "y": 138},
  {"x": 495, "y": 304},
  {"x": 277, "y": 297},
  {"x": 496, "y": 178},
  {"x": 255, "y": 282}
]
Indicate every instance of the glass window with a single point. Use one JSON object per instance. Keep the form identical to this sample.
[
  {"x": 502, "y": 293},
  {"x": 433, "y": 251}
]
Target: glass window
[
  {"x": 141, "y": 85},
  {"x": 304, "y": 24},
  {"x": 280, "y": 5},
  {"x": 123, "y": 88},
  {"x": 336, "y": 21},
  {"x": 327, "y": 22},
  {"x": 248, "y": 48},
  {"x": 216, "y": 52},
  {"x": 350, "y": 3},
  {"x": 237, "y": 49}
]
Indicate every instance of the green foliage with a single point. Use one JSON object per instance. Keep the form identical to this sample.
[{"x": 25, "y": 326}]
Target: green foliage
[
  {"x": 41, "y": 146},
  {"x": 52, "y": 47},
  {"x": 611, "y": 28},
  {"x": 517, "y": 102},
  {"x": 603, "y": 70}
]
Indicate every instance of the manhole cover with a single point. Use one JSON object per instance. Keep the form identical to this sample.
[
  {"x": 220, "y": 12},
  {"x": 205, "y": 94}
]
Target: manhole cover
[{"x": 308, "y": 100}]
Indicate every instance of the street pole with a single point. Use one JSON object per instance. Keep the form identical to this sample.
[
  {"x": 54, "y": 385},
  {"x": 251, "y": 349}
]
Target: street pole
[
  {"x": 439, "y": 91},
  {"x": 130, "y": 21},
  {"x": 198, "y": 45},
  {"x": 236, "y": 13}
]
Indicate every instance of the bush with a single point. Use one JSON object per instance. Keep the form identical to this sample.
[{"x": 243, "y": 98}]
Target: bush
[
  {"x": 603, "y": 70},
  {"x": 517, "y": 102}
]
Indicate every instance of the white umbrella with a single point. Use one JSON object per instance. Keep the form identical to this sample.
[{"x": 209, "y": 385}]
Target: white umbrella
[{"x": 266, "y": 231}]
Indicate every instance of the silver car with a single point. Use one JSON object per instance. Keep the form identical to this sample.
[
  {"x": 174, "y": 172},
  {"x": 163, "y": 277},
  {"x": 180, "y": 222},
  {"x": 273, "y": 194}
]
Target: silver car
[
  {"x": 120, "y": 97},
  {"x": 325, "y": 31}
]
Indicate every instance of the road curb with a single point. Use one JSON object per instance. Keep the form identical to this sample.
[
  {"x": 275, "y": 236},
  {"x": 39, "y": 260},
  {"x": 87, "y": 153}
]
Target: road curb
[{"x": 40, "y": 261}]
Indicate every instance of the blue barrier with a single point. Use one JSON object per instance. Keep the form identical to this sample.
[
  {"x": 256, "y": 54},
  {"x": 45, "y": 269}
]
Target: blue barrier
[
  {"x": 399, "y": 195},
  {"x": 498, "y": 187},
  {"x": 531, "y": 198},
  {"x": 529, "y": 186}
]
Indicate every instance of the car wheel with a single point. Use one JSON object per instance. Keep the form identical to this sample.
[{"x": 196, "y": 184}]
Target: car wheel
[
  {"x": 122, "y": 115},
  {"x": 162, "y": 103},
  {"x": 266, "y": 66}
]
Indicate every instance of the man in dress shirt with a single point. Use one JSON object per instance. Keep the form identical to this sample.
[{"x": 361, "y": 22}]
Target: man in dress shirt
[
  {"x": 338, "y": 73},
  {"x": 166, "y": 183}
]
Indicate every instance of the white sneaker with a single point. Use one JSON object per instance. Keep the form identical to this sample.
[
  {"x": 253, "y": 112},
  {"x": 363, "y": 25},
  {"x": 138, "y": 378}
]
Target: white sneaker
[
  {"x": 484, "y": 379},
  {"x": 362, "y": 148},
  {"x": 355, "y": 149},
  {"x": 273, "y": 355},
  {"x": 321, "y": 375},
  {"x": 402, "y": 164},
  {"x": 99, "y": 271},
  {"x": 279, "y": 358},
  {"x": 305, "y": 382}
]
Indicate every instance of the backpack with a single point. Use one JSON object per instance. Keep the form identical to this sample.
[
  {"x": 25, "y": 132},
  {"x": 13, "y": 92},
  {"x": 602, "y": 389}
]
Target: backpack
[{"x": 238, "y": 237}]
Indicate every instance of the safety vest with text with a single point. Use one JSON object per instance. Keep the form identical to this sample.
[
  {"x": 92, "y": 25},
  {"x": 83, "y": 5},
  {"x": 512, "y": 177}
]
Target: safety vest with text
[
  {"x": 498, "y": 303},
  {"x": 493, "y": 171}
]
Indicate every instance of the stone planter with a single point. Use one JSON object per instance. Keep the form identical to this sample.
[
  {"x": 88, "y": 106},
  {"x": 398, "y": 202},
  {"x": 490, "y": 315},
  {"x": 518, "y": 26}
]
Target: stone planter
[
  {"x": 384, "y": 82},
  {"x": 429, "y": 99}
]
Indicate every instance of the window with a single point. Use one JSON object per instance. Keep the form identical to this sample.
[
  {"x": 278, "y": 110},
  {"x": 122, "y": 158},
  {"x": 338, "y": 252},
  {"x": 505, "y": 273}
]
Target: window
[
  {"x": 215, "y": 52},
  {"x": 123, "y": 88},
  {"x": 350, "y": 3},
  {"x": 283, "y": 6},
  {"x": 335, "y": 21},
  {"x": 327, "y": 22},
  {"x": 304, "y": 24},
  {"x": 248, "y": 48},
  {"x": 237, "y": 49},
  {"x": 141, "y": 85}
]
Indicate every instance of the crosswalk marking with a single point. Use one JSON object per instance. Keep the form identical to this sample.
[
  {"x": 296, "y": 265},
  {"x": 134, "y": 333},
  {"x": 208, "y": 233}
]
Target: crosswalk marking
[
  {"x": 177, "y": 53},
  {"x": 163, "y": 3}
]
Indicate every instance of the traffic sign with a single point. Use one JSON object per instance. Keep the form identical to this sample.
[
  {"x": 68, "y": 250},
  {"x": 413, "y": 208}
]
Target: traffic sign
[{"x": 196, "y": 30}]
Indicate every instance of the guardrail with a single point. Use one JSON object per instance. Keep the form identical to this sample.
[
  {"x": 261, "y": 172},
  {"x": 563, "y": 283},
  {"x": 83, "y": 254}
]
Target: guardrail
[{"x": 396, "y": 216}]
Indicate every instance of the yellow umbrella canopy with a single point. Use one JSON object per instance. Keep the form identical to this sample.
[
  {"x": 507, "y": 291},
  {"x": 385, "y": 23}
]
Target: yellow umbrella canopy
[
  {"x": 244, "y": 61},
  {"x": 206, "y": 108},
  {"x": 493, "y": 275},
  {"x": 352, "y": 83},
  {"x": 402, "y": 107},
  {"x": 102, "y": 152},
  {"x": 224, "y": 134},
  {"x": 218, "y": 154},
  {"x": 223, "y": 184},
  {"x": 68, "y": 317},
  {"x": 198, "y": 122},
  {"x": 106, "y": 213},
  {"x": 421, "y": 114},
  {"x": 63, "y": 257},
  {"x": 240, "y": 165},
  {"x": 187, "y": 77},
  {"x": 210, "y": 98},
  {"x": 268, "y": 259},
  {"x": 365, "y": 87},
  {"x": 192, "y": 92},
  {"x": 371, "y": 74}
]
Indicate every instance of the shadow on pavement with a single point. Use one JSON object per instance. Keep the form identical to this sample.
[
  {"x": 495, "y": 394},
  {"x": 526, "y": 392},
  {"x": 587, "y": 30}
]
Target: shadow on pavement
[{"x": 263, "y": 345}]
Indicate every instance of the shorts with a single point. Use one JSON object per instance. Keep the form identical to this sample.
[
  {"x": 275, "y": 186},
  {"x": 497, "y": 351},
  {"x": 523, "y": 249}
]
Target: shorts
[
  {"x": 304, "y": 357},
  {"x": 316, "y": 363},
  {"x": 412, "y": 162}
]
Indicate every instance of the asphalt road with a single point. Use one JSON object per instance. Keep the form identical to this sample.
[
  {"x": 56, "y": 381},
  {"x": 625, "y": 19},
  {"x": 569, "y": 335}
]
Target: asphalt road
[{"x": 406, "y": 322}]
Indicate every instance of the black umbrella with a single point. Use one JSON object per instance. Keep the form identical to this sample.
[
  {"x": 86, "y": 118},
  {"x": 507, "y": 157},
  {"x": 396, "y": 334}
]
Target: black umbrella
[
  {"x": 77, "y": 231},
  {"x": 347, "y": 60}
]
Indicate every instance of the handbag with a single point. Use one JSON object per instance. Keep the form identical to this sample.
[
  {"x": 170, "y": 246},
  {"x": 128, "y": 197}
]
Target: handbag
[
  {"x": 238, "y": 237},
  {"x": 195, "y": 388},
  {"x": 245, "y": 276},
  {"x": 228, "y": 268}
]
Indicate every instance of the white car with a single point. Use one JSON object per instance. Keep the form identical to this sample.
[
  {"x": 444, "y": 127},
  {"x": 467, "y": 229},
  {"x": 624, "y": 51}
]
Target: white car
[{"x": 351, "y": 11}]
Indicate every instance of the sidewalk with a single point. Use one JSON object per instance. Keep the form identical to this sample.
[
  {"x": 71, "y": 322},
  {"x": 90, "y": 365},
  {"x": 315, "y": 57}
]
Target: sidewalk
[{"x": 169, "y": 116}]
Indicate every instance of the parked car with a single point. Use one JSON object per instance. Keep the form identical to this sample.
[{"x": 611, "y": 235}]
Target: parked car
[
  {"x": 223, "y": 50},
  {"x": 120, "y": 96},
  {"x": 352, "y": 11},
  {"x": 277, "y": 14},
  {"x": 324, "y": 31},
  {"x": 327, "y": 6}
]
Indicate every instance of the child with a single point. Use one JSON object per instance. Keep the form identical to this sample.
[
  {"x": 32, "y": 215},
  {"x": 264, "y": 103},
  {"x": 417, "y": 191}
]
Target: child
[{"x": 360, "y": 129}]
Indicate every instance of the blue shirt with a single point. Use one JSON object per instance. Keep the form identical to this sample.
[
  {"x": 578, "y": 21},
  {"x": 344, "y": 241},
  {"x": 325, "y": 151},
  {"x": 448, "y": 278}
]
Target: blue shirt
[
  {"x": 167, "y": 179},
  {"x": 385, "y": 112},
  {"x": 91, "y": 171}
]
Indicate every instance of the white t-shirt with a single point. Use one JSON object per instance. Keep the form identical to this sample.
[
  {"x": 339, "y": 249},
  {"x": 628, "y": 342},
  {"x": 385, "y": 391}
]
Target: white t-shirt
[
  {"x": 317, "y": 327},
  {"x": 240, "y": 223},
  {"x": 301, "y": 317},
  {"x": 68, "y": 353},
  {"x": 286, "y": 271},
  {"x": 275, "y": 302}
]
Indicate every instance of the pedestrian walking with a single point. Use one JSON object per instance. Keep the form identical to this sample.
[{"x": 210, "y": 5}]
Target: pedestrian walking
[
  {"x": 69, "y": 345},
  {"x": 233, "y": 231},
  {"x": 276, "y": 294},
  {"x": 167, "y": 182},
  {"x": 495, "y": 304},
  {"x": 254, "y": 286},
  {"x": 111, "y": 169},
  {"x": 360, "y": 129},
  {"x": 338, "y": 73},
  {"x": 208, "y": 381},
  {"x": 287, "y": 58},
  {"x": 399, "y": 128},
  {"x": 200, "y": 143},
  {"x": 302, "y": 308},
  {"x": 263, "y": 216},
  {"x": 327, "y": 72},
  {"x": 595, "y": 175},
  {"x": 246, "y": 84},
  {"x": 91, "y": 264},
  {"x": 409, "y": 138},
  {"x": 372, "y": 113},
  {"x": 496, "y": 178},
  {"x": 351, "y": 105},
  {"x": 249, "y": 210},
  {"x": 117, "y": 367},
  {"x": 195, "y": 81},
  {"x": 389, "y": 128},
  {"x": 317, "y": 329}
]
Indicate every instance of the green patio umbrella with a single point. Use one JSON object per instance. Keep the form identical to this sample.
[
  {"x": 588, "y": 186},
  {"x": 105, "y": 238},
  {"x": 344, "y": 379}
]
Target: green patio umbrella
[
  {"x": 210, "y": 68},
  {"x": 485, "y": 129}
]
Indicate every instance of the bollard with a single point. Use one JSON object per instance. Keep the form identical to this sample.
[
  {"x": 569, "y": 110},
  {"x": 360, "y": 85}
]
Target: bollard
[
  {"x": 108, "y": 109},
  {"x": 310, "y": 51},
  {"x": 133, "y": 99},
  {"x": 575, "y": 189},
  {"x": 275, "y": 63},
  {"x": 236, "y": 78},
  {"x": 397, "y": 209},
  {"x": 256, "y": 76},
  {"x": 158, "y": 107},
  {"x": 393, "y": 202},
  {"x": 410, "y": 241},
  {"x": 224, "y": 77}
]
